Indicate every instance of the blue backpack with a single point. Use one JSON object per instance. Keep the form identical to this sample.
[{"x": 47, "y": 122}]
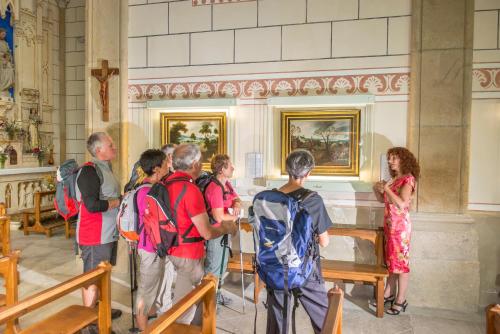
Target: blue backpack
[{"x": 283, "y": 239}]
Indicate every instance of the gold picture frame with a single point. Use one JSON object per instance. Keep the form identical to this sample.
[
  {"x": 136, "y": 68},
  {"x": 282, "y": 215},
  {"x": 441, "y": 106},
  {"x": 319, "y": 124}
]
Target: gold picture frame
[
  {"x": 203, "y": 128},
  {"x": 332, "y": 136}
]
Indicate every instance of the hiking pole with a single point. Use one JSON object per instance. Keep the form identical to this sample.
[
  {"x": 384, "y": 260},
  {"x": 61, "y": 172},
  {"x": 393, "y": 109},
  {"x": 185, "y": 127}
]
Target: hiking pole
[
  {"x": 131, "y": 248},
  {"x": 241, "y": 266},
  {"x": 223, "y": 243}
]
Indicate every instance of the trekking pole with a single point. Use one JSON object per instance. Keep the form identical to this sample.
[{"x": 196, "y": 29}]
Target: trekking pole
[
  {"x": 131, "y": 254},
  {"x": 223, "y": 243},
  {"x": 241, "y": 266}
]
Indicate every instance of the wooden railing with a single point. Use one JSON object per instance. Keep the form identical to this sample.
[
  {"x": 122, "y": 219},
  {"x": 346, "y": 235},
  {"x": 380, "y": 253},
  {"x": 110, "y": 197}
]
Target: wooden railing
[
  {"x": 205, "y": 292},
  {"x": 72, "y": 318},
  {"x": 8, "y": 270},
  {"x": 493, "y": 319},
  {"x": 4, "y": 230},
  {"x": 333, "y": 319}
]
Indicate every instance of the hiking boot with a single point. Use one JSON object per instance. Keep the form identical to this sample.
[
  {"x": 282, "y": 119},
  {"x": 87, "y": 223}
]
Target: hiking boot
[
  {"x": 224, "y": 300},
  {"x": 115, "y": 313}
]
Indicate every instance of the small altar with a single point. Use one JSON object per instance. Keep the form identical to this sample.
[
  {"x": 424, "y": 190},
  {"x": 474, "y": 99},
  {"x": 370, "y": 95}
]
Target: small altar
[{"x": 18, "y": 186}]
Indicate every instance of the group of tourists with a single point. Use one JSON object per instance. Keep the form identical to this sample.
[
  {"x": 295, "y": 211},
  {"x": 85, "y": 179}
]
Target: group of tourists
[{"x": 184, "y": 226}]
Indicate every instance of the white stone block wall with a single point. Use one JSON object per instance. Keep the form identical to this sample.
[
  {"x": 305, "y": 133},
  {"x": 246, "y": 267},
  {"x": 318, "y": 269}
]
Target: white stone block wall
[{"x": 75, "y": 80}]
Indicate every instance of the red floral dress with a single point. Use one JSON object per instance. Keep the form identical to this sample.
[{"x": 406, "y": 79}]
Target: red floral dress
[{"x": 397, "y": 229}]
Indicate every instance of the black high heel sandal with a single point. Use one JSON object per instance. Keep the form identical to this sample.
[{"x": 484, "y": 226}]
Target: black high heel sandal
[
  {"x": 387, "y": 300},
  {"x": 393, "y": 311}
]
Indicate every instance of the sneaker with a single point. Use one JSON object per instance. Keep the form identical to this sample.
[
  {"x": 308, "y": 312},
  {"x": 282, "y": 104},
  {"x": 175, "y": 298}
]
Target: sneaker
[{"x": 224, "y": 300}]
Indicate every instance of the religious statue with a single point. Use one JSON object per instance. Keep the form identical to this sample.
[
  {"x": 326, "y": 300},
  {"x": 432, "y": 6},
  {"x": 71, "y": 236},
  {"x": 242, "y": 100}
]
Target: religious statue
[
  {"x": 34, "y": 120},
  {"x": 37, "y": 189},
  {"x": 30, "y": 196},
  {"x": 6, "y": 66},
  {"x": 22, "y": 195},
  {"x": 103, "y": 75},
  {"x": 8, "y": 196}
]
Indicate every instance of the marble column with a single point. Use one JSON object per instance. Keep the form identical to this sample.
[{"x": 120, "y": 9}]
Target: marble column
[
  {"x": 106, "y": 33},
  {"x": 440, "y": 102}
]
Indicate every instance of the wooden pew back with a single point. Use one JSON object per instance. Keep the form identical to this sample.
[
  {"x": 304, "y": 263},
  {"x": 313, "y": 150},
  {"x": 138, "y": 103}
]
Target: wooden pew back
[
  {"x": 101, "y": 276},
  {"x": 333, "y": 319},
  {"x": 205, "y": 292},
  {"x": 4, "y": 230},
  {"x": 493, "y": 319},
  {"x": 8, "y": 270}
]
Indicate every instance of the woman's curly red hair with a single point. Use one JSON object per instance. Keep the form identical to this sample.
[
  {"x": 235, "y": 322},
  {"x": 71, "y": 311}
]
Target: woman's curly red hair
[{"x": 408, "y": 162}]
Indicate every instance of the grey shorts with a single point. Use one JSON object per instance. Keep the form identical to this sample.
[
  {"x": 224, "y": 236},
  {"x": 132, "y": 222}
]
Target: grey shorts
[{"x": 93, "y": 255}]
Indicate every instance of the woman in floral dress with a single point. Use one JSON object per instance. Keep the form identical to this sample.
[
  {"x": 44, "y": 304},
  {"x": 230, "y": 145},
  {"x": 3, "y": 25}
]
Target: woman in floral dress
[{"x": 396, "y": 195}]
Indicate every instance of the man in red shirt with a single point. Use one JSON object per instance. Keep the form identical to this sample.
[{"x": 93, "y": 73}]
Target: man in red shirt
[{"x": 188, "y": 208}]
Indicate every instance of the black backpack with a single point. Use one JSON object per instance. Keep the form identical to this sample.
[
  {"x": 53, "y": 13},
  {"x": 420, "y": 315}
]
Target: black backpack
[{"x": 202, "y": 182}]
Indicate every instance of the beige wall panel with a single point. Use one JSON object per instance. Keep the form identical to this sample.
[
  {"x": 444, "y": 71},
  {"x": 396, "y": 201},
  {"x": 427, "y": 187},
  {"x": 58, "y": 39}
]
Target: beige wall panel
[
  {"x": 484, "y": 183},
  {"x": 137, "y": 2},
  {"x": 75, "y": 58},
  {"x": 359, "y": 38},
  {"x": 278, "y": 12},
  {"x": 75, "y": 87},
  {"x": 259, "y": 44},
  {"x": 235, "y": 15},
  {"x": 184, "y": 17},
  {"x": 485, "y": 30},
  {"x": 168, "y": 50},
  {"x": 331, "y": 10},
  {"x": 148, "y": 20},
  {"x": 75, "y": 29},
  {"x": 307, "y": 41},
  {"x": 137, "y": 52},
  {"x": 399, "y": 35},
  {"x": 486, "y": 4},
  {"x": 204, "y": 52},
  {"x": 383, "y": 8}
]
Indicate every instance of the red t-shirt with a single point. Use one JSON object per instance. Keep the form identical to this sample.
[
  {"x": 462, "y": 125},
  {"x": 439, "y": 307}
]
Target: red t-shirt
[
  {"x": 216, "y": 199},
  {"x": 191, "y": 204}
]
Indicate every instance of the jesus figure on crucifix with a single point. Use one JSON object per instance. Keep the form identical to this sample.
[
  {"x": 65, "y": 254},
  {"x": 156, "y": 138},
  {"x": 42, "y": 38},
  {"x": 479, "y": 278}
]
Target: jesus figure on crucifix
[{"x": 102, "y": 75}]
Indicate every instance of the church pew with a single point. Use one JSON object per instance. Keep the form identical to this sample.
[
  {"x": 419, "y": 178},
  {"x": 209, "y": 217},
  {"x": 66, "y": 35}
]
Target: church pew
[
  {"x": 8, "y": 270},
  {"x": 4, "y": 230},
  {"x": 72, "y": 318},
  {"x": 333, "y": 319},
  {"x": 205, "y": 292},
  {"x": 493, "y": 319},
  {"x": 37, "y": 211}
]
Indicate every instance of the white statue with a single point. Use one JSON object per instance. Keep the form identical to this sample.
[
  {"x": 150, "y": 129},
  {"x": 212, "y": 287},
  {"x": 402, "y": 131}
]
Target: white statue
[
  {"x": 33, "y": 130},
  {"x": 22, "y": 195},
  {"x": 37, "y": 188},
  {"x": 6, "y": 66},
  {"x": 29, "y": 196}
]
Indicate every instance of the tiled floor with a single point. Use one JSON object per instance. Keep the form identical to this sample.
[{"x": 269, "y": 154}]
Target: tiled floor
[{"x": 47, "y": 261}]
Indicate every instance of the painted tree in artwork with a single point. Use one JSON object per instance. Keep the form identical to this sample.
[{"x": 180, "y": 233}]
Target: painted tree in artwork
[
  {"x": 326, "y": 131},
  {"x": 295, "y": 131},
  {"x": 175, "y": 132},
  {"x": 193, "y": 136},
  {"x": 206, "y": 131}
]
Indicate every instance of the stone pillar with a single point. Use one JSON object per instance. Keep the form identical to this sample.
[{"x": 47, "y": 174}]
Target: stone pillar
[
  {"x": 440, "y": 101},
  {"x": 106, "y": 38}
]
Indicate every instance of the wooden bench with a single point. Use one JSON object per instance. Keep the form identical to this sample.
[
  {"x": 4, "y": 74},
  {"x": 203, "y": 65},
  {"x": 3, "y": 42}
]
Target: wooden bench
[
  {"x": 493, "y": 319},
  {"x": 205, "y": 292},
  {"x": 373, "y": 274},
  {"x": 8, "y": 270},
  {"x": 4, "y": 230},
  {"x": 333, "y": 319},
  {"x": 72, "y": 318},
  {"x": 37, "y": 211}
]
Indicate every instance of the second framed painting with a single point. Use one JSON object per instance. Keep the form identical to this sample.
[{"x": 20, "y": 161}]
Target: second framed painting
[
  {"x": 208, "y": 130},
  {"x": 332, "y": 136}
]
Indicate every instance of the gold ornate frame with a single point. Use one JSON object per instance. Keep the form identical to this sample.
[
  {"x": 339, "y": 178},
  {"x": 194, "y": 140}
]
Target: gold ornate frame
[
  {"x": 323, "y": 115},
  {"x": 219, "y": 117}
]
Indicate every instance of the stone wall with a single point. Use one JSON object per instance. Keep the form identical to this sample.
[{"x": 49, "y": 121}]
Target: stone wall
[{"x": 75, "y": 80}]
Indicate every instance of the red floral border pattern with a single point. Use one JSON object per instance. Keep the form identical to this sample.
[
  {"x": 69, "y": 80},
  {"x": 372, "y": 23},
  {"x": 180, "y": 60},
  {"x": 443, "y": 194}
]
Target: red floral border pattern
[
  {"x": 209, "y": 2},
  {"x": 377, "y": 84},
  {"x": 486, "y": 79}
]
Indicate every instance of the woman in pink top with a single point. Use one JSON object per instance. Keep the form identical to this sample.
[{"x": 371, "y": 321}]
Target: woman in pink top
[
  {"x": 156, "y": 274},
  {"x": 396, "y": 195},
  {"x": 220, "y": 197}
]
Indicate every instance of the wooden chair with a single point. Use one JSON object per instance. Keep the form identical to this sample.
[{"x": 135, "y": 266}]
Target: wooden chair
[
  {"x": 493, "y": 319},
  {"x": 37, "y": 211},
  {"x": 72, "y": 318},
  {"x": 4, "y": 230},
  {"x": 8, "y": 270},
  {"x": 205, "y": 292},
  {"x": 69, "y": 230},
  {"x": 373, "y": 274},
  {"x": 333, "y": 319}
]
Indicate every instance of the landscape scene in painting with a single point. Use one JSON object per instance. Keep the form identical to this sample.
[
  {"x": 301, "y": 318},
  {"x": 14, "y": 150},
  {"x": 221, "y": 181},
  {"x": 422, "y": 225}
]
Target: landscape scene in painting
[
  {"x": 204, "y": 133},
  {"x": 329, "y": 141}
]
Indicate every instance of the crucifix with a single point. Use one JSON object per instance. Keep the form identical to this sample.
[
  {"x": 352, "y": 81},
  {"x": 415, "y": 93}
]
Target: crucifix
[{"x": 102, "y": 75}]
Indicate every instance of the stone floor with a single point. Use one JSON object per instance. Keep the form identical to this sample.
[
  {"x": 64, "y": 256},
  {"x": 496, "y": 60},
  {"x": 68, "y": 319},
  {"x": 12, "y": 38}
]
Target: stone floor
[{"x": 46, "y": 262}]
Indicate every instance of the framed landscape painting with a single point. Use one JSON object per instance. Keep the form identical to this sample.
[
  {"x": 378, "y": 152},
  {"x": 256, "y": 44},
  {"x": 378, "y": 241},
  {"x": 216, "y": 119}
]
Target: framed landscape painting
[
  {"x": 332, "y": 136},
  {"x": 208, "y": 130}
]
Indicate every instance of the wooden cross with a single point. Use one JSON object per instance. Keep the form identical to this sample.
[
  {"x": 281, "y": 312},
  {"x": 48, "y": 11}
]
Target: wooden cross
[{"x": 102, "y": 75}]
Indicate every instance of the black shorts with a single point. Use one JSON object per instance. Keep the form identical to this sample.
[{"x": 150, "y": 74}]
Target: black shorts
[{"x": 93, "y": 255}]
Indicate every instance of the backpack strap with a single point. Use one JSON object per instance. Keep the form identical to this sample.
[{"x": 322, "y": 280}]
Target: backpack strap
[{"x": 97, "y": 169}]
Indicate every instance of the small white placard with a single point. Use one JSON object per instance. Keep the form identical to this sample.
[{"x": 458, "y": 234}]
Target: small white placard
[{"x": 254, "y": 165}]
